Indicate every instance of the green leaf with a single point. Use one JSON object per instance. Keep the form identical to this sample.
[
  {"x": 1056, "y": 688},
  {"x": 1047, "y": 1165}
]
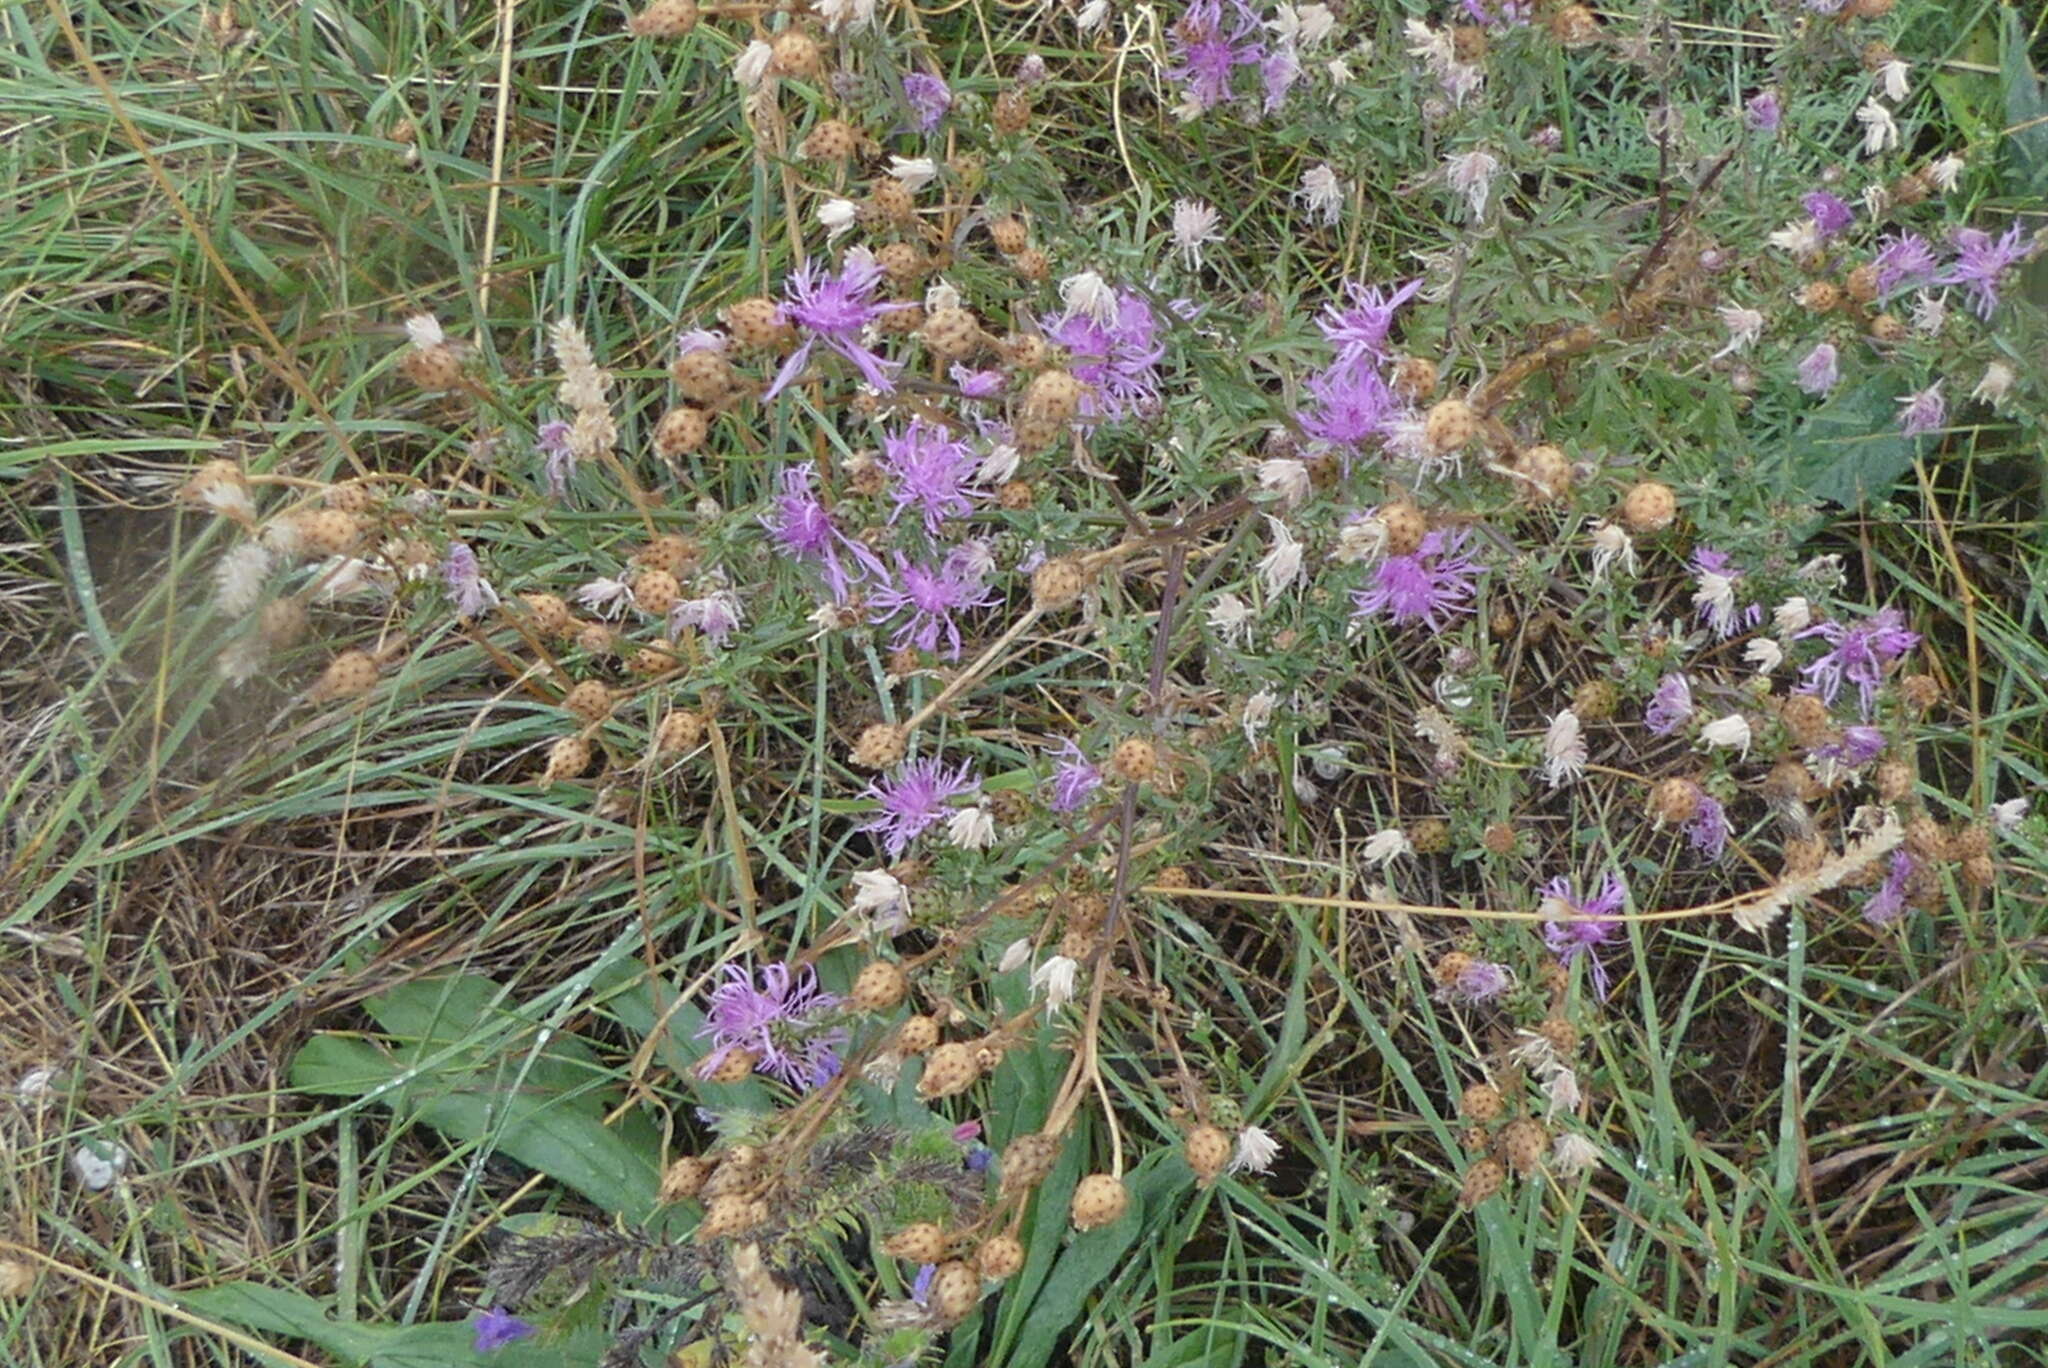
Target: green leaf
[
  {"x": 1850, "y": 448},
  {"x": 2026, "y": 107},
  {"x": 362, "y": 1344}
]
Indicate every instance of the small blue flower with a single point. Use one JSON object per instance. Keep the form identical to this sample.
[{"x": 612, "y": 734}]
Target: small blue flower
[{"x": 497, "y": 1327}]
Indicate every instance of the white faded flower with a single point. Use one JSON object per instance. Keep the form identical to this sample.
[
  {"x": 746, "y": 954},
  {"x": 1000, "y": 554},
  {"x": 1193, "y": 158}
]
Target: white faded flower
[
  {"x": 1315, "y": 24},
  {"x": 1564, "y": 750},
  {"x": 1996, "y": 384},
  {"x": 1611, "y": 547},
  {"x": 1256, "y": 1151},
  {"x": 1093, "y": 16},
  {"x": 1286, "y": 477},
  {"x": 1944, "y": 172},
  {"x": 1280, "y": 567},
  {"x": 2008, "y": 815},
  {"x": 880, "y": 898},
  {"x": 846, "y": 15},
  {"x": 1825, "y": 571},
  {"x": 607, "y": 598},
  {"x": 1880, "y": 130},
  {"x": 752, "y": 64},
  {"x": 971, "y": 828},
  {"x": 837, "y": 217},
  {"x": 1089, "y": 295},
  {"x": 1323, "y": 192},
  {"x": 1877, "y": 200},
  {"x": 1930, "y": 312},
  {"x": 1891, "y": 79},
  {"x": 1793, "y": 616},
  {"x": 1728, "y": 733},
  {"x": 999, "y": 466},
  {"x": 1431, "y": 47},
  {"x": 98, "y": 1163},
  {"x": 1387, "y": 846},
  {"x": 1562, "y": 1088},
  {"x": 425, "y": 331},
  {"x": 1258, "y": 714},
  {"x": 34, "y": 1088},
  {"x": 1715, "y": 599},
  {"x": 1230, "y": 617},
  {"x": 913, "y": 173},
  {"x": 346, "y": 577},
  {"x": 1471, "y": 175},
  {"x": 1744, "y": 327},
  {"x": 1015, "y": 955},
  {"x": 1339, "y": 71},
  {"x": 1055, "y": 978},
  {"x": 239, "y": 577},
  {"x": 1572, "y": 1154},
  {"x": 1764, "y": 655},
  {"x": 1801, "y": 238},
  {"x": 941, "y": 294},
  {"x": 1360, "y": 539},
  {"x": 1194, "y": 227}
]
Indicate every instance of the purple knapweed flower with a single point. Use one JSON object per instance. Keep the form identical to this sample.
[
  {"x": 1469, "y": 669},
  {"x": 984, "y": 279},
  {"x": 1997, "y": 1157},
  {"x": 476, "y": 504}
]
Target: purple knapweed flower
[
  {"x": 1359, "y": 330},
  {"x": 1819, "y": 369},
  {"x": 778, "y": 1020},
  {"x": 472, "y": 593},
  {"x": 1762, "y": 112},
  {"x": 496, "y": 1327},
  {"x": 1073, "y": 779},
  {"x": 1278, "y": 71},
  {"x": 1830, "y": 213},
  {"x": 1670, "y": 706},
  {"x": 1499, "y": 14},
  {"x": 978, "y": 384},
  {"x": 1707, "y": 830},
  {"x": 803, "y": 530},
  {"x": 717, "y": 615},
  {"x": 930, "y": 470},
  {"x": 1117, "y": 360},
  {"x": 1859, "y": 655},
  {"x": 1980, "y": 260},
  {"x": 1580, "y": 928},
  {"x": 552, "y": 442},
  {"x": 1432, "y": 585},
  {"x": 928, "y": 97},
  {"x": 1903, "y": 260},
  {"x": 1204, "y": 54},
  {"x": 918, "y": 794},
  {"x": 1352, "y": 406},
  {"x": 1888, "y": 904},
  {"x": 1480, "y": 981},
  {"x": 931, "y": 594},
  {"x": 834, "y": 310},
  {"x": 1922, "y": 412}
]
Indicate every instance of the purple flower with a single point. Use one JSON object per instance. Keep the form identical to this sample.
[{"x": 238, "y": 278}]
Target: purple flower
[
  {"x": 974, "y": 384},
  {"x": 1073, "y": 779},
  {"x": 1980, "y": 261},
  {"x": 1889, "y": 902},
  {"x": 1478, "y": 982},
  {"x": 931, "y": 594},
  {"x": 917, "y": 795},
  {"x": 834, "y": 309},
  {"x": 1762, "y": 112},
  {"x": 1352, "y": 405},
  {"x": 1432, "y": 585},
  {"x": 1204, "y": 55},
  {"x": 1819, "y": 369},
  {"x": 1278, "y": 72},
  {"x": 1582, "y": 927},
  {"x": 1859, "y": 746},
  {"x": 497, "y": 1327},
  {"x": 1708, "y": 829},
  {"x": 1922, "y": 412},
  {"x": 1360, "y": 330},
  {"x": 472, "y": 592},
  {"x": 804, "y": 531},
  {"x": 1902, "y": 260},
  {"x": 930, "y": 470},
  {"x": 922, "y": 1286},
  {"x": 778, "y": 1022},
  {"x": 928, "y": 97},
  {"x": 1670, "y": 706},
  {"x": 1860, "y": 654},
  {"x": 1509, "y": 12},
  {"x": 1118, "y": 360},
  {"x": 1830, "y": 214},
  {"x": 716, "y": 614},
  {"x": 552, "y": 442}
]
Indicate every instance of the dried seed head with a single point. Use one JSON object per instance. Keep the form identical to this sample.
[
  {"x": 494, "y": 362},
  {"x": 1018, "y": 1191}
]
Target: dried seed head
[
  {"x": 435, "y": 369},
  {"x": 282, "y": 623},
  {"x": 1099, "y": 1200},
  {"x": 1500, "y": 838},
  {"x": 678, "y": 732},
  {"x": 1574, "y": 25},
  {"x": 655, "y": 592},
  {"x": 684, "y": 1178},
  {"x": 1010, "y": 112},
  {"x": 880, "y": 745},
  {"x": 1595, "y": 700},
  {"x": 1862, "y": 283},
  {"x": 948, "y": 1069},
  {"x": 1450, "y": 425},
  {"x": 664, "y": 19},
  {"x": 1027, "y": 1161},
  {"x": 1174, "y": 877},
  {"x": 1970, "y": 842},
  {"x": 1523, "y": 1143},
  {"x": 1674, "y": 800},
  {"x": 1207, "y": 1151},
  {"x": 951, "y": 334},
  {"x": 1473, "y": 1140},
  {"x": 832, "y": 140},
  {"x": 903, "y": 320},
  {"x": 1016, "y": 496},
  {"x": 1058, "y": 583},
  {"x": 1554, "y": 978},
  {"x": 795, "y": 53},
  {"x": 1803, "y": 855},
  {"x": 650, "y": 660},
  {"x": 1031, "y": 264},
  {"x": 1009, "y": 234},
  {"x": 1000, "y": 1256},
  {"x": 1649, "y": 506},
  {"x": 596, "y": 639},
  {"x": 901, "y": 262},
  {"x": 567, "y": 759},
  {"x": 1415, "y": 378},
  {"x": 730, "y": 1214},
  {"x": 1026, "y": 351},
  {"x": 922, "y": 1243},
  {"x": 1450, "y": 967},
  {"x": 551, "y": 616},
  {"x": 890, "y": 202},
  {"x": 735, "y": 1065},
  {"x": 1893, "y": 780},
  {"x": 955, "y": 1290},
  {"x": 1135, "y": 759},
  {"x": 1547, "y": 473},
  {"x": 1562, "y": 1035},
  {"x": 758, "y": 323},
  {"x": 1911, "y": 188},
  {"x": 328, "y": 531},
  {"x": 1430, "y": 836},
  {"x": 590, "y": 700},
  {"x": 1480, "y": 1103},
  {"x": 1978, "y": 871},
  {"x": 1054, "y": 395},
  {"x": 916, "y": 1035},
  {"x": 1806, "y": 719},
  {"x": 17, "y": 1280},
  {"x": 1925, "y": 839},
  {"x": 1921, "y": 691},
  {"x": 1406, "y": 526},
  {"x": 1078, "y": 943},
  {"x": 704, "y": 376},
  {"x": 1482, "y": 1180},
  {"x": 879, "y": 986},
  {"x": 1820, "y": 296},
  {"x": 349, "y": 675},
  {"x": 1888, "y": 328}
]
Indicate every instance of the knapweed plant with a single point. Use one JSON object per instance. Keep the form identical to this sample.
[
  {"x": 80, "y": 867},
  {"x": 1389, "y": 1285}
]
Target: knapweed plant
[{"x": 1182, "y": 683}]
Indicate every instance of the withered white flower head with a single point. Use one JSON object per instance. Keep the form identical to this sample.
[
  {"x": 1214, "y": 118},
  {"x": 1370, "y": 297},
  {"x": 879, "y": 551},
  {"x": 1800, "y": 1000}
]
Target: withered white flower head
[
  {"x": 1572, "y": 1154},
  {"x": 999, "y": 466},
  {"x": 837, "y": 217},
  {"x": 1792, "y": 616},
  {"x": 1744, "y": 327},
  {"x": 752, "y": 64},
  {"x": 608, "y": 598},
  {"x": 1764, "y": 654},
  {"x": 1230, "y": 617},
  {"x": 971, "y": 828},
  {"x": 913, "y": 173},
  {"x": 1386, "y": 846},
  {"x": 1880, "y": 130},
  {"x": 239, "y": 577},
  {"x": 1930, "y": 312},
  {"x": 1562, "y": 1088},
  {"x": 1258, "y": 714},
  {"x": 881, "y": 900},
  {"x": 1995, "y": 385},
  {"x": 1055, "y": 978},
  {"x": 1471, "y": 175},
  {"x": 1256, "y": 1151},
  {"x": 1892, "y": 80},
  {"x": 1015, "y": 955},
  {"x": 1093, "y": 16},
  {"x": 1728, "y": 733},
  {"x": 1323, "y": 192},
  {"x": 1286, "y": 477},
  {"x": 1280, "y": 567},
  {"x": 425, "y": 331},
  {"x": 1564, "y": 750},
  {"x": 1087, "y": 294},
  {"x": 1194, "y": 227},
  {"x": 1360, "y": 539},
  {"x": 1611, "y": 547},
  {"x": 2008, "y": 815},
  {"x": 1944, "y": 172},
  {"x": 941, "y": 294}
]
